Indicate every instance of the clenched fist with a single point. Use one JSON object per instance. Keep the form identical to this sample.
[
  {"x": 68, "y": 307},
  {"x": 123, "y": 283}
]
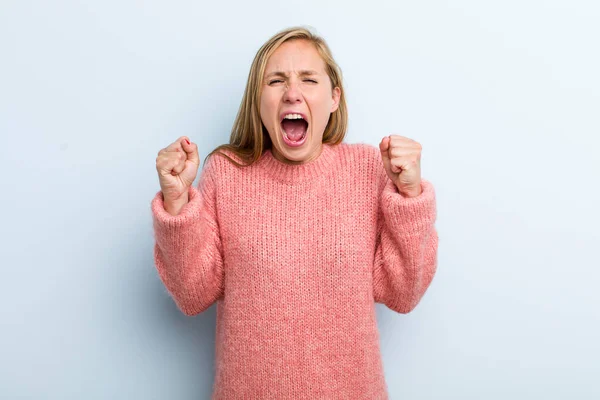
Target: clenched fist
[
  {"x": 177, "y": 166},
  {"x": 402, "y": 162}
]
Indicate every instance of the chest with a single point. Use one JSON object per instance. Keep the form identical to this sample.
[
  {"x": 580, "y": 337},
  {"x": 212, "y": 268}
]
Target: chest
[{"x": 328, "y": 223}]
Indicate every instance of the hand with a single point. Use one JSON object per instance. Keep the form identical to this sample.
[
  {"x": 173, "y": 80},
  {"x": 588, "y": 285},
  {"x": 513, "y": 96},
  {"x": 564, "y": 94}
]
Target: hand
[
  {"x": 177, "y": 166},
  {"x": 402, "y": 162}
]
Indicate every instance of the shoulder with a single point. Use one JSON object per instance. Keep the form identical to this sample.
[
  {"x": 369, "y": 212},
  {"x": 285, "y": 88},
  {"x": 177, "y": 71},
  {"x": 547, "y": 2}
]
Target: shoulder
[
  {"x": 359, "y": 151},
  {"x": 215, "y": 169},
  {"x": 363, "y": 160},
  {"x": 218, "y": 164},
  {"x": 363, "y": 156}
]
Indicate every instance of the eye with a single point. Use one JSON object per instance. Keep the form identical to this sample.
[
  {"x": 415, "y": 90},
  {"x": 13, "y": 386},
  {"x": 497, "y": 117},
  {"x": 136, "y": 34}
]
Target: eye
[
  {"x": 310, "y": 80},
  {"x": 274, "y": 81}
]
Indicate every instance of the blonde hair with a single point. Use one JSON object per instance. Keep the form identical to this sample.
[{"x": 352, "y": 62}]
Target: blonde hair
[{"x": 249, "y": 137}]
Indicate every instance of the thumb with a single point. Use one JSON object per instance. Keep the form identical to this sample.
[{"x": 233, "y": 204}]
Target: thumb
[
  {"x": 384, "y": 145},
  {"x": 191, "y": 150}
]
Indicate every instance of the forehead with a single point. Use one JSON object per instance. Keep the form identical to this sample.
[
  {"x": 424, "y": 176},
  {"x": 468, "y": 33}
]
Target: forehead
[{"x": 295, "y": 55}]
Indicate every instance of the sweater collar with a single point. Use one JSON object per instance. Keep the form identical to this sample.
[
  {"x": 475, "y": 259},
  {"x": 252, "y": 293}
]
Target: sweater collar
[{"x": 291, "y": 173}]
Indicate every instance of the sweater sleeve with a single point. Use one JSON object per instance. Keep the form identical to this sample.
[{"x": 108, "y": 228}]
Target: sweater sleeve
[
  {"x": 406, "y": 249},
  {"x": 187, "y": 250}
]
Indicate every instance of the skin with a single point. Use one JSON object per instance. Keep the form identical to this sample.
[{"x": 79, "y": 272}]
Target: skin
[
  {"x": 311, "y": 95},
  {"x": 401, "y": 158}
]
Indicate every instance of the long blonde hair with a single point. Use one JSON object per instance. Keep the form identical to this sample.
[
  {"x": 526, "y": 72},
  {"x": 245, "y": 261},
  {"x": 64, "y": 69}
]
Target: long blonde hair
[{"x": 249, "y": 137}]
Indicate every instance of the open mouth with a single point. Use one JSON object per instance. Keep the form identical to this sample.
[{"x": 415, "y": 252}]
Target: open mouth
[{"x": 294, "y": 128}]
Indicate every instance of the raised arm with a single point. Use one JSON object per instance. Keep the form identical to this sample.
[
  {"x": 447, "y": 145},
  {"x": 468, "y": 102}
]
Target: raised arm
[
  {"x": 406, "y": 251},
  {"x": 187, "y": 250},
  {"x": 407, "y": 241}
]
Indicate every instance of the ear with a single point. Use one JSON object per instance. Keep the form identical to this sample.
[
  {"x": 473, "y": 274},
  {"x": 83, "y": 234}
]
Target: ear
[{"x": 336, "y": 94}]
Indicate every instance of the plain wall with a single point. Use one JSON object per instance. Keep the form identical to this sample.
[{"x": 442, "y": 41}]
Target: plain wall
[{"x": 503, "y": 96}]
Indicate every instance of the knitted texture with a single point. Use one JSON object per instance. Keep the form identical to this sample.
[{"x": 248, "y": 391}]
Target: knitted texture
[{"x": 295, "y": 257}]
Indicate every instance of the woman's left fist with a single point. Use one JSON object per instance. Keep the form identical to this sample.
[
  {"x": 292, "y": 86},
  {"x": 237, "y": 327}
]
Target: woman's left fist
[{"x": 402, "y": 162}]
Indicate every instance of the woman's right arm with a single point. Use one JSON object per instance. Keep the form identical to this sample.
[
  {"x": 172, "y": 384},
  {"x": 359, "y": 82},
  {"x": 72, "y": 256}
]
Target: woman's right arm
[{"x": 188, "y": 250}]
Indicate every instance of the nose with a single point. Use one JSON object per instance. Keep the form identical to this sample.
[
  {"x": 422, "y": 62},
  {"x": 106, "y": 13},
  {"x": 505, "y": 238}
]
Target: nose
[{"x": 292, "y": 93}]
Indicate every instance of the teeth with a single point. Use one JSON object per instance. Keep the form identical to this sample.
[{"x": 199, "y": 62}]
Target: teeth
[{"x": 293, "y": 116}]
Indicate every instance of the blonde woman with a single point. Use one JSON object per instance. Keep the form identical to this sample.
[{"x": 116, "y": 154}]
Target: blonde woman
[{"x": 295, "y": 234}]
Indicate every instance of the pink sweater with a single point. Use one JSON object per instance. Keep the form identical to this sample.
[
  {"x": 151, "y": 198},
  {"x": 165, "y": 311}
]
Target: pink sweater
[{"x": 295, "y": 256}]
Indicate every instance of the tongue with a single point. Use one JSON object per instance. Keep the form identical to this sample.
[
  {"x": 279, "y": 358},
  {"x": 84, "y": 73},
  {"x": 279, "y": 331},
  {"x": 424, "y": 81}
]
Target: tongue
[{"x": 294, "y": 128}]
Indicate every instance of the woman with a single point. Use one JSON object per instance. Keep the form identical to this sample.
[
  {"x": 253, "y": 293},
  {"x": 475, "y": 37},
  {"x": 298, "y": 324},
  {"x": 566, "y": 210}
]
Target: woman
[{"x": 295, "y": 234}]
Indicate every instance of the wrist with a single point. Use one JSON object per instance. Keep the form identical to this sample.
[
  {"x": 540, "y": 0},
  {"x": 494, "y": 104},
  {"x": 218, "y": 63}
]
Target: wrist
[
  {"x": 410, "y": 192},
  {"x": 174, "y": 206}
]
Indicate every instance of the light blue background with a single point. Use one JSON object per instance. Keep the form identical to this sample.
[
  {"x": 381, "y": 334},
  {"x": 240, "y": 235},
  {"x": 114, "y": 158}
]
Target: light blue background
[{"x": 503, "y": 96}]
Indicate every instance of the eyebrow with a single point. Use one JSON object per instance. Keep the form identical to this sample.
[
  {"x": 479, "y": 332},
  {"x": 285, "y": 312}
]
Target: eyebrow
[{"x": 304, "y": 72}]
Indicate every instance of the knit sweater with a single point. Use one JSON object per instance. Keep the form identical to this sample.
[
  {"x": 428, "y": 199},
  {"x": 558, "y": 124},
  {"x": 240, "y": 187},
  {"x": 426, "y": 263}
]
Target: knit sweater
[{"x": 295, "y": 257}]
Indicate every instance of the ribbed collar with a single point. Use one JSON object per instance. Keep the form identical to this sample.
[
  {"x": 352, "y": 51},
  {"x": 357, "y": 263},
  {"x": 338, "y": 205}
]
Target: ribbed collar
[{"x": 290, "y": 173}]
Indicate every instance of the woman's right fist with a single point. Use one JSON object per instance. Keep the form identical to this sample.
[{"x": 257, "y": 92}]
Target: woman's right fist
[{"x": 177, "y": 166}]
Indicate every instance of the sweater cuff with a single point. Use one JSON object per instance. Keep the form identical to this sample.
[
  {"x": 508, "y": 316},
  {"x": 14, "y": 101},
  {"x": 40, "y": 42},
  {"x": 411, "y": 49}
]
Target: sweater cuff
[
  {"x": 409, "y": 216},
  {"x": 188, "y": 213}
]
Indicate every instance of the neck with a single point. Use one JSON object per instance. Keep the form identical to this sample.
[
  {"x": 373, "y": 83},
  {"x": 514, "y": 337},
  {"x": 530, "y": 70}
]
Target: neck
[
  {"x": 312, "y": 157},
  {"x": 294, "y": 172}
]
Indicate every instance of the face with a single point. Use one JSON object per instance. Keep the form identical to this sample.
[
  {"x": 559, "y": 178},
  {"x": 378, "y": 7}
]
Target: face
[{"x": 295, "y": 82}]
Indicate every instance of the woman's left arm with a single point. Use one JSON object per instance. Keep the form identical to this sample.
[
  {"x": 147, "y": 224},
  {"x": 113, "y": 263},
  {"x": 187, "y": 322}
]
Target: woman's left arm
[
  {"x": 407, "y": 241},
  {"x": 406, "y": 251}
]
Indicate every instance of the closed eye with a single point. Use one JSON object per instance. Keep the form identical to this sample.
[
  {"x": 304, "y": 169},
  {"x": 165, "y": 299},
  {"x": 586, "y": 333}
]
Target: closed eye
[{"x": 279, "y": 80}]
